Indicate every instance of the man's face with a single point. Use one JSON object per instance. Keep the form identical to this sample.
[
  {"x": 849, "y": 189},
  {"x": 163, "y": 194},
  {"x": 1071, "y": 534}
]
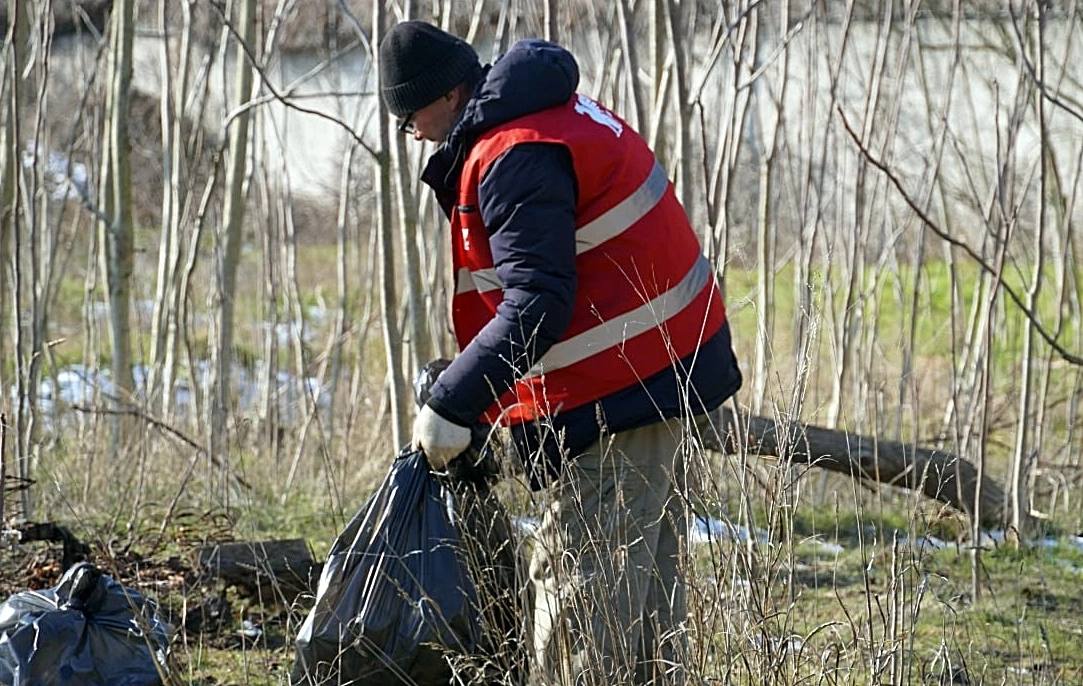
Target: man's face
[{"x": 433, "y": 122}]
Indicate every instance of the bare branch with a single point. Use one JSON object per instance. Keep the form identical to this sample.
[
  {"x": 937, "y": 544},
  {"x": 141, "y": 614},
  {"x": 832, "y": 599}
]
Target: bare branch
[
  {"x": 165, "y": 428},
  {"x": 266, "y": 81},
  {"x": 1038, "y": 81},
  {"x": 1065, "y": 354}
]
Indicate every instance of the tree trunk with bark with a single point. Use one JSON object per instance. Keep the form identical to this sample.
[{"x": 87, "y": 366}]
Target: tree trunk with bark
[
  {"x": 550, "y": 20},
  {"x": 16, "y": 52},
  {"x": 388, "y": 301},
  {"x": 681, "y": 74},
  {"x": 175, "y": 192},
  {"x": 630, "y": 55},
  {"x": 231, "y": 235},
  {"x": 416, "y": 325},
  {"x": 115, "y": 227},
  {"x": 9, "y": 155}
]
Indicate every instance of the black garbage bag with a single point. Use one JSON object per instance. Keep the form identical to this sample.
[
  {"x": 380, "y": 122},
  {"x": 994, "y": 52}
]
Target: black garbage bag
[
  {"x": 492, "y": 552},
  {"x": 427, "y": 575},
  {"x": 491, "y": 549},
  {"x": 87, "y": 631},
  {"x": 395, "y": 595}
]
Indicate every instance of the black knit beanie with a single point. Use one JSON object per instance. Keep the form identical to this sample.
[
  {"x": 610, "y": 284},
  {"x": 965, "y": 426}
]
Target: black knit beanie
[{"x": 419, "y": 63}]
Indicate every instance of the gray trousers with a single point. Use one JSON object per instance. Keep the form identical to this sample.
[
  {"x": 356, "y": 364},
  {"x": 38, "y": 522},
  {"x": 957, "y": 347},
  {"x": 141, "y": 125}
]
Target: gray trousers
[{"x": 609, "y": 604}]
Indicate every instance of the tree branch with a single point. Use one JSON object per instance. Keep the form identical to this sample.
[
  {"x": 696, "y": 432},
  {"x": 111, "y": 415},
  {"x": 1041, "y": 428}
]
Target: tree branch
[
  {"x": 164, "y": 427},
  {"x": 1065, "y": 354},
  {"x": 278, "y": 96}
]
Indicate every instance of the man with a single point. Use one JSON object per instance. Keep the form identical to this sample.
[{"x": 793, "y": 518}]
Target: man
[{"x": 589, "y": 324}]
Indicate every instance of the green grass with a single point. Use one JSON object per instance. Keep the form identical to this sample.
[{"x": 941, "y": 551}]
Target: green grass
[
  {"x": 252, "y": 666},
  {"x": 891, "y": 299},
  {"x": 1025, "y": 622},
  {"x": 1023, "y": 629}
]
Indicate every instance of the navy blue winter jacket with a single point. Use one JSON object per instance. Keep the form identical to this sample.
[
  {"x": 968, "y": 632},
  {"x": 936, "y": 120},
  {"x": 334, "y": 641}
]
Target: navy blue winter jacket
[{"x": 527, "y": 202}]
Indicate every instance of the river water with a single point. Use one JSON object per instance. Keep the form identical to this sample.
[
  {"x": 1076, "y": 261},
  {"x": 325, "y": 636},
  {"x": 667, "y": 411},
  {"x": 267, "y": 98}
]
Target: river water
[{"x": 307, "y": 149}]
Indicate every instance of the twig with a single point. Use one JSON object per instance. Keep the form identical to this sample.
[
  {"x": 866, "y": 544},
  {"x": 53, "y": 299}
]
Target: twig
[
  {"x": 278, "y": 96},
  {"x": 168, "y": 517},
  {"x": 716, "y": 51},
  {"x": 3, "y": 465},
  {"x": 290, "y": 90},
  {"x": 779, "y": 49},
  {"x": 1039, "y": 82},
  {"x": 165, "y": 428},
  {"x": 1065, "y": 354},
  {"x": 357, "y": 27}
]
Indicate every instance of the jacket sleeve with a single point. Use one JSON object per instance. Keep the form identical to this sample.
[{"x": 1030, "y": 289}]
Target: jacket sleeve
[{"x": 527, "y": 201}]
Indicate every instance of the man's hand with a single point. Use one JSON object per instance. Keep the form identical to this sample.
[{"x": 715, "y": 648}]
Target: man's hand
[{"x": 439, "y": 439}]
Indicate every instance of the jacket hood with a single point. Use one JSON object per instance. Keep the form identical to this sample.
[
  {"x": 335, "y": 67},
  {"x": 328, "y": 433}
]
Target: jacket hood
[{"x": 533, "y": 75}]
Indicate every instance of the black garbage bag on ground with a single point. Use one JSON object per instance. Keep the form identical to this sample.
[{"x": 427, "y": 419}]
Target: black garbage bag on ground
[
  {"x": 394, "y": 593},
  {"x": 505, "y": 605},
  {"x": 425, "y": 577},
  {"x": 403, "y": 595},
  {"x": 87, "y": 631}
]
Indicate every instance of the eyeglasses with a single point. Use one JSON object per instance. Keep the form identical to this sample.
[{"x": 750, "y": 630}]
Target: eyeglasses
[{"x": 406, "y": 126}]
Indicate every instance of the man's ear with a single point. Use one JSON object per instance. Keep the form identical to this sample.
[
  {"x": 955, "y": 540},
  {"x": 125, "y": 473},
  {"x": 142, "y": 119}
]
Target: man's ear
[{"x": 458, "y": 96}]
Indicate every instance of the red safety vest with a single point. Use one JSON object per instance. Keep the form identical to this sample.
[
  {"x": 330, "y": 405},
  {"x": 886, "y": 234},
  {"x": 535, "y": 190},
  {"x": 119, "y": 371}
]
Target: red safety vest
[{"x": 646, "y": 296}]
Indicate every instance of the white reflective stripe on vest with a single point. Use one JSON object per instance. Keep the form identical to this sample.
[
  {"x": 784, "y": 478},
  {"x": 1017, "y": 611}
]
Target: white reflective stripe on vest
[
  {"x": 642, "y": 319},
  {"x": 482, "y": 280},
  {"x": 624, "y": 214},
  {"x": 610, "y": 224}
]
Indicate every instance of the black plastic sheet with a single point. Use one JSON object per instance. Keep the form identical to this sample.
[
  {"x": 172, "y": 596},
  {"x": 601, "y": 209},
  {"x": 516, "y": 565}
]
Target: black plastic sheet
[{"x": 88, "y": 630}]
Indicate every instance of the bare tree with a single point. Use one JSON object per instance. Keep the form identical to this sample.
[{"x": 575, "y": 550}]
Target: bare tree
[
  {"x": 15, "y": 51},
  {"x": 771, "y": 135},
  {"x": 175, "y": 201},
  {"x": 737, "y": 40},
  {"x": 14, "y": 59},
  {"x": 659, "y": 60},
  {"x": 680, "y": 75},
  {"x": 406, "y": 209},
  {"x": 115, "y": 233},
  {"x": 230, "y": 237},
  {"x": 13, "y": 220},
  {"x": 630, "y": 54},
  {"x": 551, "y": 20},
  {"x": 396, "y": 384},
  {"x": 1024, "y": 436}
]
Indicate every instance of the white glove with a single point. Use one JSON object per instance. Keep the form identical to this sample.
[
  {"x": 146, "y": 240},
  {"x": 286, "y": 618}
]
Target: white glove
[{"x": 439, "y": 439}]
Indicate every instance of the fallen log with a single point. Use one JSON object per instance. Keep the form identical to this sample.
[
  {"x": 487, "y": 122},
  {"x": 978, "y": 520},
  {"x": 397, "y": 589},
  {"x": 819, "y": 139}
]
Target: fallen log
[
  {"x": 268, "y": 569},
  {"x": 936, "y": 474}
]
